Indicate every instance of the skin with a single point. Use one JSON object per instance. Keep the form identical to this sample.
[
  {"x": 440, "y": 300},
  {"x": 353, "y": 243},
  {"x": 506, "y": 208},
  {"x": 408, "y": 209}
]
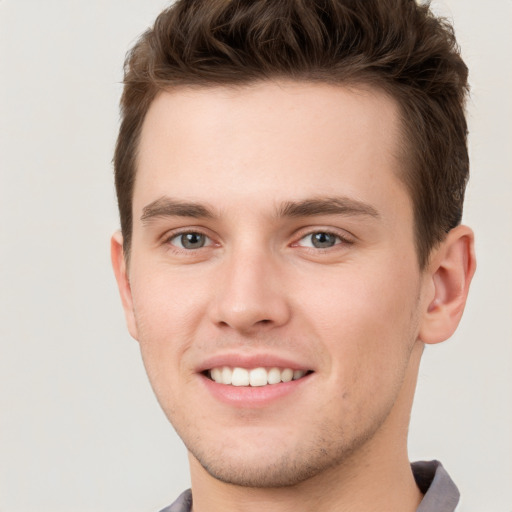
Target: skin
[{"x": 356, "y": 313}]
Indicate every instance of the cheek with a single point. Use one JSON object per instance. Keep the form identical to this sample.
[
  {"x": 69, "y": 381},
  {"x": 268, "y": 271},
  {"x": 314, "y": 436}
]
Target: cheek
[
  {"x": 368, "y": 328},
  {"x": 366, "y": 319},
  {"x": 164, "y": 337},
  {"x": 165, "y": 303},
  {"x": 167, "y": 313}
]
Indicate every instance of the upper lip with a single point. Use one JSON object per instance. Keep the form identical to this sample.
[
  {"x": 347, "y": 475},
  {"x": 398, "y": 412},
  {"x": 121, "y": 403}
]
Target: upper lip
[{"x": 238, "y": 360}]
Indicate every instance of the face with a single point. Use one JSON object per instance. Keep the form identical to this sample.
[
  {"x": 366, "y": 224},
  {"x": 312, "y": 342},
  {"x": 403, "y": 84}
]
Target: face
[{"x": 273, "y": 282}]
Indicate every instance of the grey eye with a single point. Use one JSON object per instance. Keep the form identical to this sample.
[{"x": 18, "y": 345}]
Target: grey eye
[
  {"x": 190, "y": 240},
  {"x": 323, "y": 240},
  {"x": 320, "y": 240}
]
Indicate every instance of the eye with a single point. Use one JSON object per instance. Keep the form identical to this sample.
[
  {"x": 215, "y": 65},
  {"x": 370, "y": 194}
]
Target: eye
[
  {"x": 320, "y": 240},
  {"x": 190, "y": 240}
]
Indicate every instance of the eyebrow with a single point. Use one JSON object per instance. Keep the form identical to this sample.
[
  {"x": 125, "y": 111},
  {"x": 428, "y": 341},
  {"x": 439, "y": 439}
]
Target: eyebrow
[
  {"x": 327, "y": 206},
  {"x": 168, "y": 207}
]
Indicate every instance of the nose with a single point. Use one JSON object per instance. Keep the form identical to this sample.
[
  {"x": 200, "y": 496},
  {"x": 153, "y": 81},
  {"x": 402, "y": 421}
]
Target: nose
[{"x": 251, "y": 295}]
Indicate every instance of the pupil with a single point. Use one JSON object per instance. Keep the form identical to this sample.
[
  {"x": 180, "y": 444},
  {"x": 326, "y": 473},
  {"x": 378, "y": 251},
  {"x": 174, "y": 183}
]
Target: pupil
[
  {"x": 192, "y": 240},
  {"x": 322, "y": 240}
]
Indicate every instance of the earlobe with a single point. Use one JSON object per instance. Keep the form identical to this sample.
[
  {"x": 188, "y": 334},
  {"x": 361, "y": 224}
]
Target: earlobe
[
  {"x": 123, "y": 282},
  {"x": 450, "y": 272}
]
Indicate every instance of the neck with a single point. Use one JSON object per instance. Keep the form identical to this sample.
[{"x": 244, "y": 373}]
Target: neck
[{"x": 376, "y": 477}]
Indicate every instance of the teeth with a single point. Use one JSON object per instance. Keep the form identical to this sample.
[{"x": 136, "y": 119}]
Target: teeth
[
  {"x": 258, "y": 377},
  {"x": 240, "y": 377},
  {"x": 226, "y": 374},
  {"x": 287, "y": 375},
  {"x": 254, "y": 377},
  {"x": 274, "y": 376},
  {"x": 298, "y": 374},
  {"x": 216, "y": 374}
]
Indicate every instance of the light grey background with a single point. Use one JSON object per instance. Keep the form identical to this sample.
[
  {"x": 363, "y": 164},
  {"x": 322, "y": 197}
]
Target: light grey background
[{"x": 79, "y": 427}]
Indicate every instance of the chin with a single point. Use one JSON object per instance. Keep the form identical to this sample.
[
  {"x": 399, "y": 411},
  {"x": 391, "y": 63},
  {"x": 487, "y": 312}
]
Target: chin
[
  {"x": 274, "y": 465},
  {"x": 284, "y": 472}
]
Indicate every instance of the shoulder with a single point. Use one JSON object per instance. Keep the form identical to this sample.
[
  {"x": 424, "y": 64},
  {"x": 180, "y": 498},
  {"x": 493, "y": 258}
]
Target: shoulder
[{"x": 182, "y": 504}]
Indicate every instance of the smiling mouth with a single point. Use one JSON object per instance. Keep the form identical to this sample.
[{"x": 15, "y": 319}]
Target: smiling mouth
[{"x": 254, "y": 377}]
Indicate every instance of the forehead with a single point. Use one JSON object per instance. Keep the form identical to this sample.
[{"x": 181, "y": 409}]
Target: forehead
[{"x": 268, "y": 142}]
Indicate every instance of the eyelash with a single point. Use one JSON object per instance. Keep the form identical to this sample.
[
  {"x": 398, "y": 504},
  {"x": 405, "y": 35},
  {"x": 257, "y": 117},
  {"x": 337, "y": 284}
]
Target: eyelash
[
  {"x": 340, "y": 240},
  {"x": 177, "y": 234}
]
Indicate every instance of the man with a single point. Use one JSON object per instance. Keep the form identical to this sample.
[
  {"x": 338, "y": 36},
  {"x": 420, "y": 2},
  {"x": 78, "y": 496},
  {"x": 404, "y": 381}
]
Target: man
[{"x": 290, "y": 178}]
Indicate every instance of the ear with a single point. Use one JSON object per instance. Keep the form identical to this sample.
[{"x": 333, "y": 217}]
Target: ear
[
  {"x": 449, "y": 275},
  {"x": 123, "y": 282}
]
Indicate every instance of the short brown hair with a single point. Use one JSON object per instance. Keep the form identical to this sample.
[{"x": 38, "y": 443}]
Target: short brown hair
[{"x": 396, "y": 45}]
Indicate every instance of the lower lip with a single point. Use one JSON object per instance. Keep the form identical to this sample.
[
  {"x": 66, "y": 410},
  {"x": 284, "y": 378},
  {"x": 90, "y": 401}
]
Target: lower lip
[{"x": 257, "y": 396}]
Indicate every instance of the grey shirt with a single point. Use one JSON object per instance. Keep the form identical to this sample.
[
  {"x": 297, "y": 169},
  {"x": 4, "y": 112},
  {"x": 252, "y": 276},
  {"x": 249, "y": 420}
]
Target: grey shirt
[{"x": 440, "y": 493}]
